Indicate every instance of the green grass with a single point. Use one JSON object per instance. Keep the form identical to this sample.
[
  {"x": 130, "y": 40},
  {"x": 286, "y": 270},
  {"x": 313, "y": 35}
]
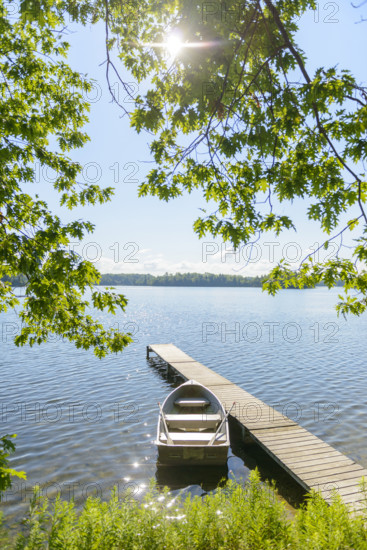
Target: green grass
[{"x": 237, "y": 516}]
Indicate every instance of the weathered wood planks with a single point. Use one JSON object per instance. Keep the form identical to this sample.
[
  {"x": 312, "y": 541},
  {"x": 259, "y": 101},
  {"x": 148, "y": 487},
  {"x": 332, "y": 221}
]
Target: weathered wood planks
[{"x": 314, "y": 464}]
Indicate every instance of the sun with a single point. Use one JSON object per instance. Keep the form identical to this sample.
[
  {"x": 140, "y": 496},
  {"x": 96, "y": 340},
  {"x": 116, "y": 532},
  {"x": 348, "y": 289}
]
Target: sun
[{"x": 173, "y": 44}]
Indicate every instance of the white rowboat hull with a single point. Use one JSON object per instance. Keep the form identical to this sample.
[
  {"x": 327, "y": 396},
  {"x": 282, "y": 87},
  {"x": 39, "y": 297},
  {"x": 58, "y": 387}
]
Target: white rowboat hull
[{"x": 197, "y": 428}]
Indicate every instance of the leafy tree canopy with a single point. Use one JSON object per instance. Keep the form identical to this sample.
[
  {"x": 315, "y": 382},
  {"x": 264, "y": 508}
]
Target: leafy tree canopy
[
  {"x": 238, "y": 115},
  {"x": 7, "y": 447},
  {"x": 239, "y": 93},
  {"x": 42, "y": 112}
]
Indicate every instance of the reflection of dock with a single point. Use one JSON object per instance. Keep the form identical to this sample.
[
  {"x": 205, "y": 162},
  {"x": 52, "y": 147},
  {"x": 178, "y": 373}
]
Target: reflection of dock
[{"x": 313, "y": 463}]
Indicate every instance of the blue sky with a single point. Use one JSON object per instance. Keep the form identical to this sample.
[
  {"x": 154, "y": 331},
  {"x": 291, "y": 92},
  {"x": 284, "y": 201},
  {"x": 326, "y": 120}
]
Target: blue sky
[{"x": 146, "y": 235}]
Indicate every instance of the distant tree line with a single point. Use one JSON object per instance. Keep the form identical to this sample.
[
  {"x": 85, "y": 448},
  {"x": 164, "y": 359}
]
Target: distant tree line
[
  {"x": 168, "y": 279},
  {"x": 180, "y": 279}
]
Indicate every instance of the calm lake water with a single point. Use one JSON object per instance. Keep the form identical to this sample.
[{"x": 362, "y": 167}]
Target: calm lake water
[{"x": 85, "y": 425}]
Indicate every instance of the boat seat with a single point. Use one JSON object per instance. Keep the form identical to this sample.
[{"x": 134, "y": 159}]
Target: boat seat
[
  {"x": 193, "y": 438},
  {"x": 192, "y": 421},
  {"x": 192, "y": 402}
]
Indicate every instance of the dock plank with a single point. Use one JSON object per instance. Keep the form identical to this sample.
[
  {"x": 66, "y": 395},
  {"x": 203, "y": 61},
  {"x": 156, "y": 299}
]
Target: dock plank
[
  {"x": 291, "y": 438},
  {"x": 315, "y": 458},
  {"x": 320, "y": 468},
  {"x": 312, "y": 462},
  {"x": 340, "y": 483},
  {"x": 306, "y": 450},
  {"x": 333, "y": 475},
  {"x": 192, "y": 370}
]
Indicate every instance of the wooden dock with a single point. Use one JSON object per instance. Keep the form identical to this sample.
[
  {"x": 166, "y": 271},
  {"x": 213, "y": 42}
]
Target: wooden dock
[{"x": 313, "y": 463}]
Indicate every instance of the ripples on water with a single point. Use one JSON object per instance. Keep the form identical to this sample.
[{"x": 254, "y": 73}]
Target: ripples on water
[{"x": 85, "y": 424}]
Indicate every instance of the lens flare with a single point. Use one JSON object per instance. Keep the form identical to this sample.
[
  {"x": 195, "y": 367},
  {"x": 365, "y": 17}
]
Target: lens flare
[{"x": 174, "y": 44}]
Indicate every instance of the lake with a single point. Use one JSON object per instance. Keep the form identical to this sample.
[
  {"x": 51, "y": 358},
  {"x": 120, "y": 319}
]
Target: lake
[{"x": 85, "y": 425}]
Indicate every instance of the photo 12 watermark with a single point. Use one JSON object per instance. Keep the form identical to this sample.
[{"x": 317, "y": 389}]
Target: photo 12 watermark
[
  {"x": 82, "y": 412},
  {"x": 93, "y": 252},
  {"x": 270, "y": 332},
  {"x": 253, "y": 412},
  {"x": 92, "y": 172},
  {"x": 10, "y": 329},
  {"x": 269, "y": 251},
  {"x": 215, "y": 11},
  {"x": 125, "y": 489}
]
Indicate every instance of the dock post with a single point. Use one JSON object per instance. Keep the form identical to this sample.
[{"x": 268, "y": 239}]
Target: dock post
[{"x": 148, "y": 351}]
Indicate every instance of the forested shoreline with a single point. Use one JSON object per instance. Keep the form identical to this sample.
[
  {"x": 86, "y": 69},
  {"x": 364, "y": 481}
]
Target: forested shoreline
[
  {"x": 180, "y": 279},
  {"x": 169, "y": 279}
]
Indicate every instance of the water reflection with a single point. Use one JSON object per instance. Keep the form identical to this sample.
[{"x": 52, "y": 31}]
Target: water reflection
[
  {"x": 206, "y": 478},
  {"x": 87, "y": 425}
]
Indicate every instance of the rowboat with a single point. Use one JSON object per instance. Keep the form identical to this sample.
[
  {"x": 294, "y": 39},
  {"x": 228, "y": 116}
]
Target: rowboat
[{"x": 192, "y": 427}]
